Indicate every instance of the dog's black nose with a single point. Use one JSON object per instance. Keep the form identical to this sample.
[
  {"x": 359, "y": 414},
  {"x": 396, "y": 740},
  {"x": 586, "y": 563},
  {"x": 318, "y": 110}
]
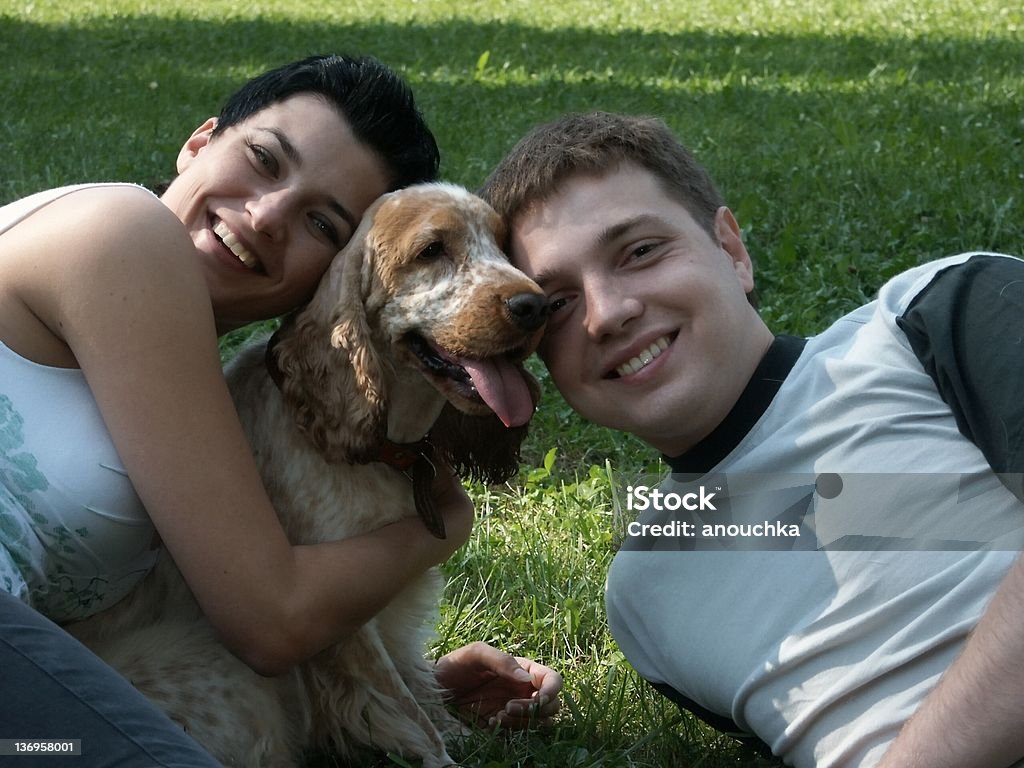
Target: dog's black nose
[{"x": 528, "y": 310}]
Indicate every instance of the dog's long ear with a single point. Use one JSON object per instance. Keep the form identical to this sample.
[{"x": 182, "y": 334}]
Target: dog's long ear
[
  {"x": 364, "y": 399},
  {"x": 332, "y": 375},
  {"x": 481, "y": 447}
]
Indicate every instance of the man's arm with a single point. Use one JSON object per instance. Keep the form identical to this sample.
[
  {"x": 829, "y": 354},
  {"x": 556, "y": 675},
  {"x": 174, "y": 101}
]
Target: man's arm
[
  {"x": 965, "y": 328},
  {"x": 973, "y": 717}
]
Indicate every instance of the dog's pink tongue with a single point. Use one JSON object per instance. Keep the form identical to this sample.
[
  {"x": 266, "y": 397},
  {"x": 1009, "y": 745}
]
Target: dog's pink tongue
[{"x": 503, "y": 388}]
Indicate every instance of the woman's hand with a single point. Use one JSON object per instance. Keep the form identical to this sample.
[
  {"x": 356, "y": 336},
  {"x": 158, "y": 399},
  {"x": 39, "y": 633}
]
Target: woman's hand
[
  {"x": 490, "y": 687},
  {"x": 454, "y": 506}
]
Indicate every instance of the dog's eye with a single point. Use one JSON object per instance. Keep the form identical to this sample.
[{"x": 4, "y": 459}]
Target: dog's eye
[{"x": 431, "y": 252}]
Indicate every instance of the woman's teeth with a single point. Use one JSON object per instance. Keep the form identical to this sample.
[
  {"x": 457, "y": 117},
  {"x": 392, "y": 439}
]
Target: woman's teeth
[
  {"x": 644, "y": 359},
  {"x": 234, "y": 245}
]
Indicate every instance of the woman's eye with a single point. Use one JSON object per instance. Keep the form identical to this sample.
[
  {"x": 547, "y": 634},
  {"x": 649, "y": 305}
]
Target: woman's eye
[
  {"x": 328, "y": 229},
  {"x": 264, "y": 158}
]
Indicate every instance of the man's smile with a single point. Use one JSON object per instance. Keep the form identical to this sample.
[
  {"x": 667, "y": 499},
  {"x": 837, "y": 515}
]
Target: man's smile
[{"x": 643, "y": 358}]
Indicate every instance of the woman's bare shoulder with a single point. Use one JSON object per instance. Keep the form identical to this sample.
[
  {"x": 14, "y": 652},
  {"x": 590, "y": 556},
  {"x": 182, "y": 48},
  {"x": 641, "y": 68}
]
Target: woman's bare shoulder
[
  {"x": 99, "y": 214},
  {"x": 96, "y": 222},
  {"x": 101, "y": 252}
]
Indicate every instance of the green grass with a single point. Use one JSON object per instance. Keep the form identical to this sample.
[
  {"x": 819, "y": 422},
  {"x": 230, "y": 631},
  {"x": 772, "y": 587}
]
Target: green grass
[{"x": 853, "y": 138}]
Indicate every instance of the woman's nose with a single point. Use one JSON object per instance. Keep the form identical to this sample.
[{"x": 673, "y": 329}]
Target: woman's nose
[{"x": 269, "y": 213}]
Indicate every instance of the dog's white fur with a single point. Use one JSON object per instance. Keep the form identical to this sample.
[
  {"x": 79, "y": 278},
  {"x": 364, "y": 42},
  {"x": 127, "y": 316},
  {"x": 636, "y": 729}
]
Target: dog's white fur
[{"x": 424, "y": 260}]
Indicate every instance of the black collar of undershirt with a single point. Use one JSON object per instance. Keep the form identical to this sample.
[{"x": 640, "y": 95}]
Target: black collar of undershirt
[{"x": 776, "y": 364}]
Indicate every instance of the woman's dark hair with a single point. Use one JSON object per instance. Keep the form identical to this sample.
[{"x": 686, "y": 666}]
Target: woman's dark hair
[{"x": 373, "y": 99}]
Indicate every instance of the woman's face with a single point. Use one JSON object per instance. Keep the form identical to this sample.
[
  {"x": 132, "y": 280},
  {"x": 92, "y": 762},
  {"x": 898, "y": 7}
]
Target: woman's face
[{"x": 270, "y": 201}]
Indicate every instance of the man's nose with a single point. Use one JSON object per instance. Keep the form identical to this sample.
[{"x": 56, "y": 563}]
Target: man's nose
[{"x": 608, "y": 311}]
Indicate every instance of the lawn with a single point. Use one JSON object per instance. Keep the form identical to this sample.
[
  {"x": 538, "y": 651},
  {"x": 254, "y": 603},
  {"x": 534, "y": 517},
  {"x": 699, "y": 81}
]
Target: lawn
[{"x": 853, "y": 138}]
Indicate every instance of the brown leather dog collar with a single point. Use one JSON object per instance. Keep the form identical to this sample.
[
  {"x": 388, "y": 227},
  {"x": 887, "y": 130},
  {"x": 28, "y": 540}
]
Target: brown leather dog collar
[{"x": 416, "y": 460}]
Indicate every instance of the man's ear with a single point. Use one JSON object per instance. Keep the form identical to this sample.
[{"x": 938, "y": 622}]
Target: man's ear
[
  {"x": 731, "y": 241},
  {"x": 200, "y": 138}
]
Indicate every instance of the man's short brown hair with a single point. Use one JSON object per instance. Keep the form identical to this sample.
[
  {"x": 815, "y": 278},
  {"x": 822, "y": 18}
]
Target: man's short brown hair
[{"x": 597, "y": 143}]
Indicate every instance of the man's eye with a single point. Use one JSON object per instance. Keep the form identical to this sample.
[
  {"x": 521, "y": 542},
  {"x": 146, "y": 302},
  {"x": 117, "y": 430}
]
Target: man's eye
[
  {"x": 556, "y": 304},
  {"x": 641, "y": 250}
]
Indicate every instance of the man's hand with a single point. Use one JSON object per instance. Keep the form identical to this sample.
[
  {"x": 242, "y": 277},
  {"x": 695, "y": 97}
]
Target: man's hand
[{"x": 490, "y": 687}]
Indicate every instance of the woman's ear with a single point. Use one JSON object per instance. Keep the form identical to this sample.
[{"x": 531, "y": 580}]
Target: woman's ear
[{"x": 196, "y": 142}]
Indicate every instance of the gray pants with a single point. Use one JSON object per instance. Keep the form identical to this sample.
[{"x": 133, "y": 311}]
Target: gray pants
[{"x": 53, "y": 687}]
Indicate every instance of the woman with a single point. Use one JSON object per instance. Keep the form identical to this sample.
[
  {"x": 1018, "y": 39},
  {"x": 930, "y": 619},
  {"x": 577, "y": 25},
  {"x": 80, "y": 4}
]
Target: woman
[{"x": 111, "y": 303}]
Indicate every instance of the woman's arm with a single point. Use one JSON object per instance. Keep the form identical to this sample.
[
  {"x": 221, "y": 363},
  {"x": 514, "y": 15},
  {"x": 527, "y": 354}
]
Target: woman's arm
[{"x": 114, "y": 275}]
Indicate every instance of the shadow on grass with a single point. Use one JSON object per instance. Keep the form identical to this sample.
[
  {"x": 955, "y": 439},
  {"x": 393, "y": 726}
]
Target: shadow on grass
[{"x": 151, "y": 77}]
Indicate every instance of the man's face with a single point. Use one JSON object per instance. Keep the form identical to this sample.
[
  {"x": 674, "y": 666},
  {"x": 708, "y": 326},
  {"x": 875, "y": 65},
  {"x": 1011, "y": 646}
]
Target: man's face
[{"x": 651, "y": 331}]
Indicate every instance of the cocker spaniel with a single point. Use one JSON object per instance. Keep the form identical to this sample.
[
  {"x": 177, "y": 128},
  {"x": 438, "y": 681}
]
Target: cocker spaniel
[{"x": 411, "y": 349}]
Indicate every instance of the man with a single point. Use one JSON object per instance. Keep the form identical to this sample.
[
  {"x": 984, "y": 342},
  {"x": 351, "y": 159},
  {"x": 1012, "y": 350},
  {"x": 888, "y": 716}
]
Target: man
[{"x": 830, "y": 653}]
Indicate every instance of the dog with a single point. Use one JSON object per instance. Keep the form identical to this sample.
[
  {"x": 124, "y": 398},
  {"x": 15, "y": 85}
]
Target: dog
[{"x": 409, "y": 353}]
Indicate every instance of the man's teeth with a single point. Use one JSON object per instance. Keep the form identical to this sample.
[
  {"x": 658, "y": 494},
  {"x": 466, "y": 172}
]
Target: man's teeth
[
  {"x": 228, "y": 238},
  {"x": 644, "y": 359}
]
